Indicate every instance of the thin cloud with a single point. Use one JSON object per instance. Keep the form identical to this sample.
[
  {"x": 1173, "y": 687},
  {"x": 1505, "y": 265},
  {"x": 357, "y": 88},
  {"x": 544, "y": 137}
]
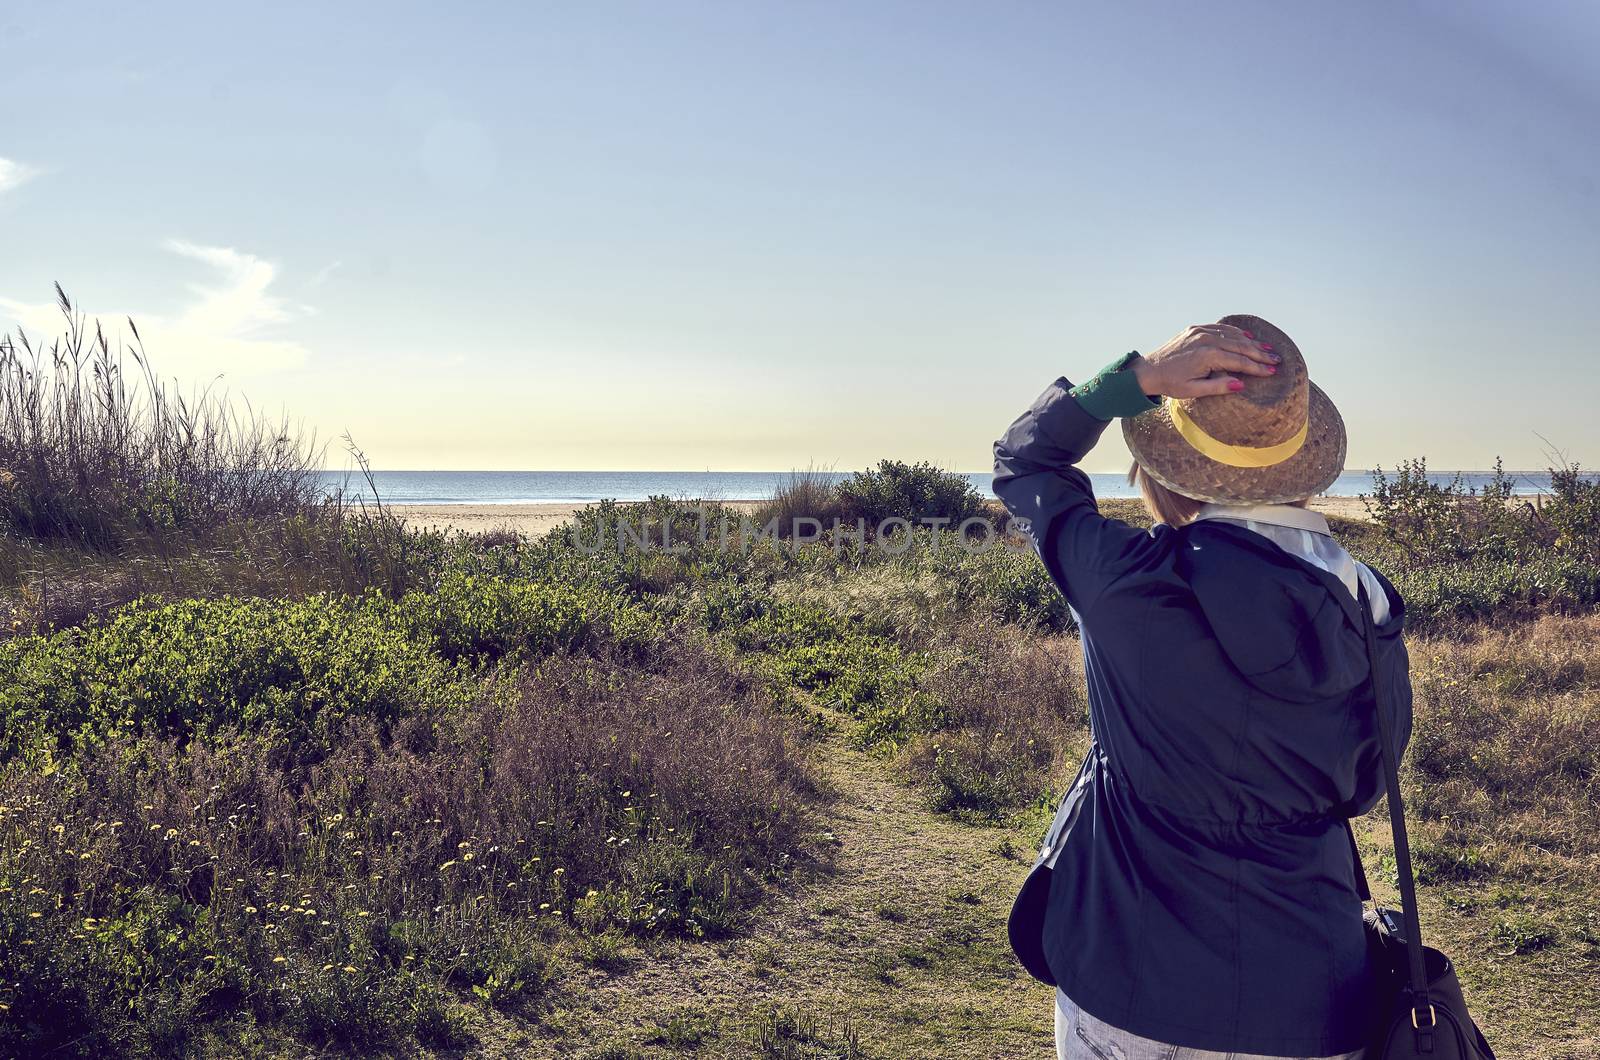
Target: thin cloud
[
  {"x": 14, "y": 174},
  {"x": 323, "y": 273},
  {"x": 241, "y": 303},
  {"x": 219, "y": 332}
]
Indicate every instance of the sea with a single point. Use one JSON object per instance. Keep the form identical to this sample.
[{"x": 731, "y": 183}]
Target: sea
[{"x": 582, "y": 487}]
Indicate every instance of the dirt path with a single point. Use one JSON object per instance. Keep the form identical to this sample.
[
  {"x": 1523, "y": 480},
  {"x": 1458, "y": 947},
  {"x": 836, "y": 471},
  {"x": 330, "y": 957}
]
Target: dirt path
[{"x": 896, "y": 951}]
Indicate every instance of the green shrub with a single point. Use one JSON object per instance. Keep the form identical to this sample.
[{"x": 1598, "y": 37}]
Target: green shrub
[
  {"x": 1460, "y": 554},
  {"x": 294, "y": 669},
  {"x": 483, "y": 618},
  {"x": 1572, "y": 516},
  {"x": 909, "y": 491},
  {"x": 1012, "y": 585},
  {"x": 872, "y": 680},
  {"x": 1428, "y": 523},
  {"x": 1494, "y": 588},
  {"x": 860, "y": 673}
]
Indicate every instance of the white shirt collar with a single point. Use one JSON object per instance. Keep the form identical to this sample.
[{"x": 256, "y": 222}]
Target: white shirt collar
[{"x": 1275, "y": 514}]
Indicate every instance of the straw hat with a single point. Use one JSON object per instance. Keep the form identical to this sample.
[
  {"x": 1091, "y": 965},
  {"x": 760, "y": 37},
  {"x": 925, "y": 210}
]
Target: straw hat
[{"x": 1279, "y": 439}]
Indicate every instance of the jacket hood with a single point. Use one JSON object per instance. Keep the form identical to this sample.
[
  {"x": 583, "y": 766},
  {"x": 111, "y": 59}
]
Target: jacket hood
[{"x": 1289, "y": 627}]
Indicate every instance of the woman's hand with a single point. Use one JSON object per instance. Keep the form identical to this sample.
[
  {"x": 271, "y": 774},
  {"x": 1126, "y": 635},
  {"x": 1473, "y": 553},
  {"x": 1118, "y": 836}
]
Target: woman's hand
[{"x": 1196, "y": 362}]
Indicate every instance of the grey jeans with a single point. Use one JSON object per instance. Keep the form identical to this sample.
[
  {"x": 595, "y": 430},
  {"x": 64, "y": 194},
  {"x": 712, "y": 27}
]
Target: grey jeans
[{"x": 1079, "y": 1036}]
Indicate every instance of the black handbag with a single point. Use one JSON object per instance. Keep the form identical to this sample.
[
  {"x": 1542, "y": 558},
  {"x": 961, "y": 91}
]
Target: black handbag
[
  {"x": 1423, "y": 1012},
  {"x": 1025, "y": 924}
]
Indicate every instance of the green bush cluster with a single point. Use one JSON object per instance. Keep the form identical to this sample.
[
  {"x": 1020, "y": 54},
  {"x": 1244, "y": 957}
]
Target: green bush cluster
[
  {"x": 973, "y": 782},
  {"x": 895, "y": 489},
  {"x": 1498, "y": 588},
  {"x": 483, "y": 618},
  {"x": 892, "y": 490},
  {"x": 294, "y": 669},
  {"x": 1463, "y": 554}
]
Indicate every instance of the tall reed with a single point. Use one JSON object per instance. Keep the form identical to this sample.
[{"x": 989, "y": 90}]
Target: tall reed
[{"x": 95, "y": 455}]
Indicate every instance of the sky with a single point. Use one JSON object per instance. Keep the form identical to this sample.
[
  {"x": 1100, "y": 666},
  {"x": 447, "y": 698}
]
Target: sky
[{"x": 760, "y": 236}]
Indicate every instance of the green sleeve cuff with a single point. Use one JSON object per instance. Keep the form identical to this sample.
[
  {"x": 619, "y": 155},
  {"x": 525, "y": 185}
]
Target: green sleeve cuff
[{"x": 1115, "y": 391}]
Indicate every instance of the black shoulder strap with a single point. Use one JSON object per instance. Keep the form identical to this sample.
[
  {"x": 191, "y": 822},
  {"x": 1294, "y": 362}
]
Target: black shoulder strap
[{"x": 1382, "y": 701}]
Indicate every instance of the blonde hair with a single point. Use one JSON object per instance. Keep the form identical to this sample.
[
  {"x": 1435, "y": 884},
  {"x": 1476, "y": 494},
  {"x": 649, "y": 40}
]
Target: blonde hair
[
  {"x": 1170, "y": 507},
  {"x": 1164, "y": 505}
]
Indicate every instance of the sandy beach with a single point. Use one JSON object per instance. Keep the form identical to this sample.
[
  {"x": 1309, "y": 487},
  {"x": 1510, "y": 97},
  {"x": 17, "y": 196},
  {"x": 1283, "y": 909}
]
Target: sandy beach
[
  {"x": 1345, "y": 507},
  {"x": 538, "y": 519},
  {"x": 533, "y": 520}
]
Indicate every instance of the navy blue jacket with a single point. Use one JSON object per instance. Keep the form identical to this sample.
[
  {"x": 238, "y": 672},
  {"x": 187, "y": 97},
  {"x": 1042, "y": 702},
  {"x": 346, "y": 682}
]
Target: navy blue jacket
[{"x": 1206, "y": 894}]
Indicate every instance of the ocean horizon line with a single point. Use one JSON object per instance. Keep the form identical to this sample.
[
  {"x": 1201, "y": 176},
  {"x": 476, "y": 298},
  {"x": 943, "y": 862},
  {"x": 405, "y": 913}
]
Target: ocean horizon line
[
  {"x": 589, "y": 487},
  {"x": 803, "y": 471}
]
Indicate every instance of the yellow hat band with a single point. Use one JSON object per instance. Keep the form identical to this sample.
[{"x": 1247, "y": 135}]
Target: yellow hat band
[{"x": 1234, "y": 455}]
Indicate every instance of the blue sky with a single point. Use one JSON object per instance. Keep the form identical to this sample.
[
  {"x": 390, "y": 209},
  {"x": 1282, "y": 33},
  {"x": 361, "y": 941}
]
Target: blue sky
[{"x": 768, "y": 235}]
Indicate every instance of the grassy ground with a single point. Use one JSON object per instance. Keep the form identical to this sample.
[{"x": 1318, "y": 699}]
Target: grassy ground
[{"x": 537, "y": 801}]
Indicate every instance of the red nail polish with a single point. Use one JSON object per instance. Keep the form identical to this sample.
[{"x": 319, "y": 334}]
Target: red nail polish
[
  {"x": 1247, "y": 334},
  {"x": 1272, "y": 368},
  {"x": 1265, "y": 345},
  {"x": 1234, "y": 384}
]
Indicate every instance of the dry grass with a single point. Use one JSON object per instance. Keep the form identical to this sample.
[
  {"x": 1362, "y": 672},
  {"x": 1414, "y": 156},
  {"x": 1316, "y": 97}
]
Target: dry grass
[
  {"x": 1506, "y": 754},
  {"x": 90, "y": 457},
  {"x": 1015, "y": 721},
  {"x": 808, "y": 494}
]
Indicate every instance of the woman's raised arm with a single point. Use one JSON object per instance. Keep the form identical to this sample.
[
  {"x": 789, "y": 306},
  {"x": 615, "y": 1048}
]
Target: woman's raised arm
[
  {"x": 1035, "y": 463},
  {"x": 1036, "y": 476}
]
